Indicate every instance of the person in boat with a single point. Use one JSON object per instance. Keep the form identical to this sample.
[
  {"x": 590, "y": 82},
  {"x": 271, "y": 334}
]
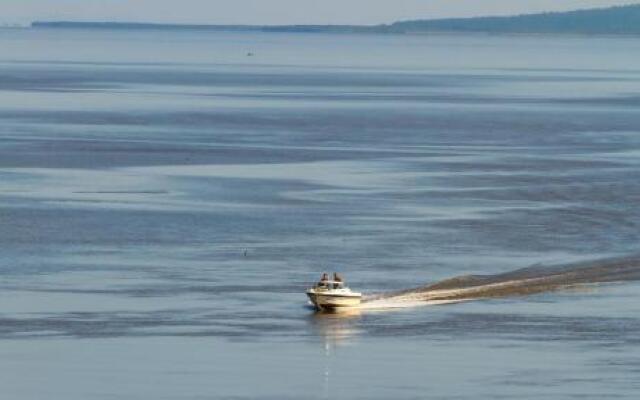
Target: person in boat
[
  {"x": 337, "y": 280},
  {"x": 324, "y": 280}
]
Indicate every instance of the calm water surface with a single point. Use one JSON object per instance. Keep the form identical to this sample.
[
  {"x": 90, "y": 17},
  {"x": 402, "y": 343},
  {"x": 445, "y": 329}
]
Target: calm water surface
[{"x": 165, "y": 200}]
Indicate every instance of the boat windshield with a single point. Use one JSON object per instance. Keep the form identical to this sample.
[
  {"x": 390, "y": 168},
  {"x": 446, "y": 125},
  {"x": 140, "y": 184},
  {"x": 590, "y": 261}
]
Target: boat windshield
[{"x": 330, "y": 285}]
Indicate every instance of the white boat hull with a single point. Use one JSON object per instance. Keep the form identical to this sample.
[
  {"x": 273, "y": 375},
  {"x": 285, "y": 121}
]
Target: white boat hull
[{"x": 326, "y": 301}]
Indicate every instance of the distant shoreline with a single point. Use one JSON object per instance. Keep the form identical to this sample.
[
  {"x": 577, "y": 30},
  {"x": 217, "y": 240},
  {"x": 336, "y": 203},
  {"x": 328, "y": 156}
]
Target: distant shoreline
[
  {"x": 620, "y": 20},
  {"x": 216, "y": 28},
  {"x": 433, "y": 33}
]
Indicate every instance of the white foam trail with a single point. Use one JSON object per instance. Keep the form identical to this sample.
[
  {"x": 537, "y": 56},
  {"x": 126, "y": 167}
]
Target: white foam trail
[
  {"x": 516, "y": 283},
  {"x": 406, "y": 300},
  {"x": 400, "y": 302}
]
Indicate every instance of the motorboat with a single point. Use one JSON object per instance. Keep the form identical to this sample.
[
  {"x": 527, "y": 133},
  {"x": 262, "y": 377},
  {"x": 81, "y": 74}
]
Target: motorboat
[{"x": 333, "y": 294}]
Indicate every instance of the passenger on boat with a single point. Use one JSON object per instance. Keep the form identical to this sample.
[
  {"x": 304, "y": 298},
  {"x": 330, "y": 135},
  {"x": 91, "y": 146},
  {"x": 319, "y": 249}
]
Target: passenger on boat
[
  {"x": 324, "y": 280},
  {"x": 337, "y": 280}
]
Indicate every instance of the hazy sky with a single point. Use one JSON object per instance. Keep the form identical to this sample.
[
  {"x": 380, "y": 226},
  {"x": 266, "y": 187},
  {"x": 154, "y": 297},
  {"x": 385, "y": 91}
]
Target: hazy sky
[{"x": 275, "y": 11}]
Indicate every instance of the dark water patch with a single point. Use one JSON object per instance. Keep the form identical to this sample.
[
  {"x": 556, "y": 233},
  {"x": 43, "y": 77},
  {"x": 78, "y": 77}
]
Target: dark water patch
[
  {"x": 497, "y": 162},
  {"x": 74, "y": 75},
  {"x": 124, "y": 192},
  {"x": 408, "y": 126},
  {"x": 545, "y": 231},
  {"x": 79, "y": 153},
  {"x": 169, "y": 290},
  {"x": 38, "y": 79},
  {"x": 170, "y": 322},
  {"x": 121, "y": 227},
  {"x": 618, "y": 101},
  {"x": 84, "y": 324},
  {"x": 611, "y": 331},
  {"x": 431, "y": 98}
]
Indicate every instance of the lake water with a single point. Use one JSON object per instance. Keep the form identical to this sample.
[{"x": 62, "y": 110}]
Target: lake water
[{"x": 165, "y": 199}]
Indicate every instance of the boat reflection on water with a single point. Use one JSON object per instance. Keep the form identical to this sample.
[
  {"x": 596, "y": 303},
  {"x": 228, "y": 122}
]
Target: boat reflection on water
[{"x": 335, "y": 328}]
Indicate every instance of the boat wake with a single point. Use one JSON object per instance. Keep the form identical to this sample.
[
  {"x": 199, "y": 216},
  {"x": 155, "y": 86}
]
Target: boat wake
[{"x": 531, "y": 280}]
